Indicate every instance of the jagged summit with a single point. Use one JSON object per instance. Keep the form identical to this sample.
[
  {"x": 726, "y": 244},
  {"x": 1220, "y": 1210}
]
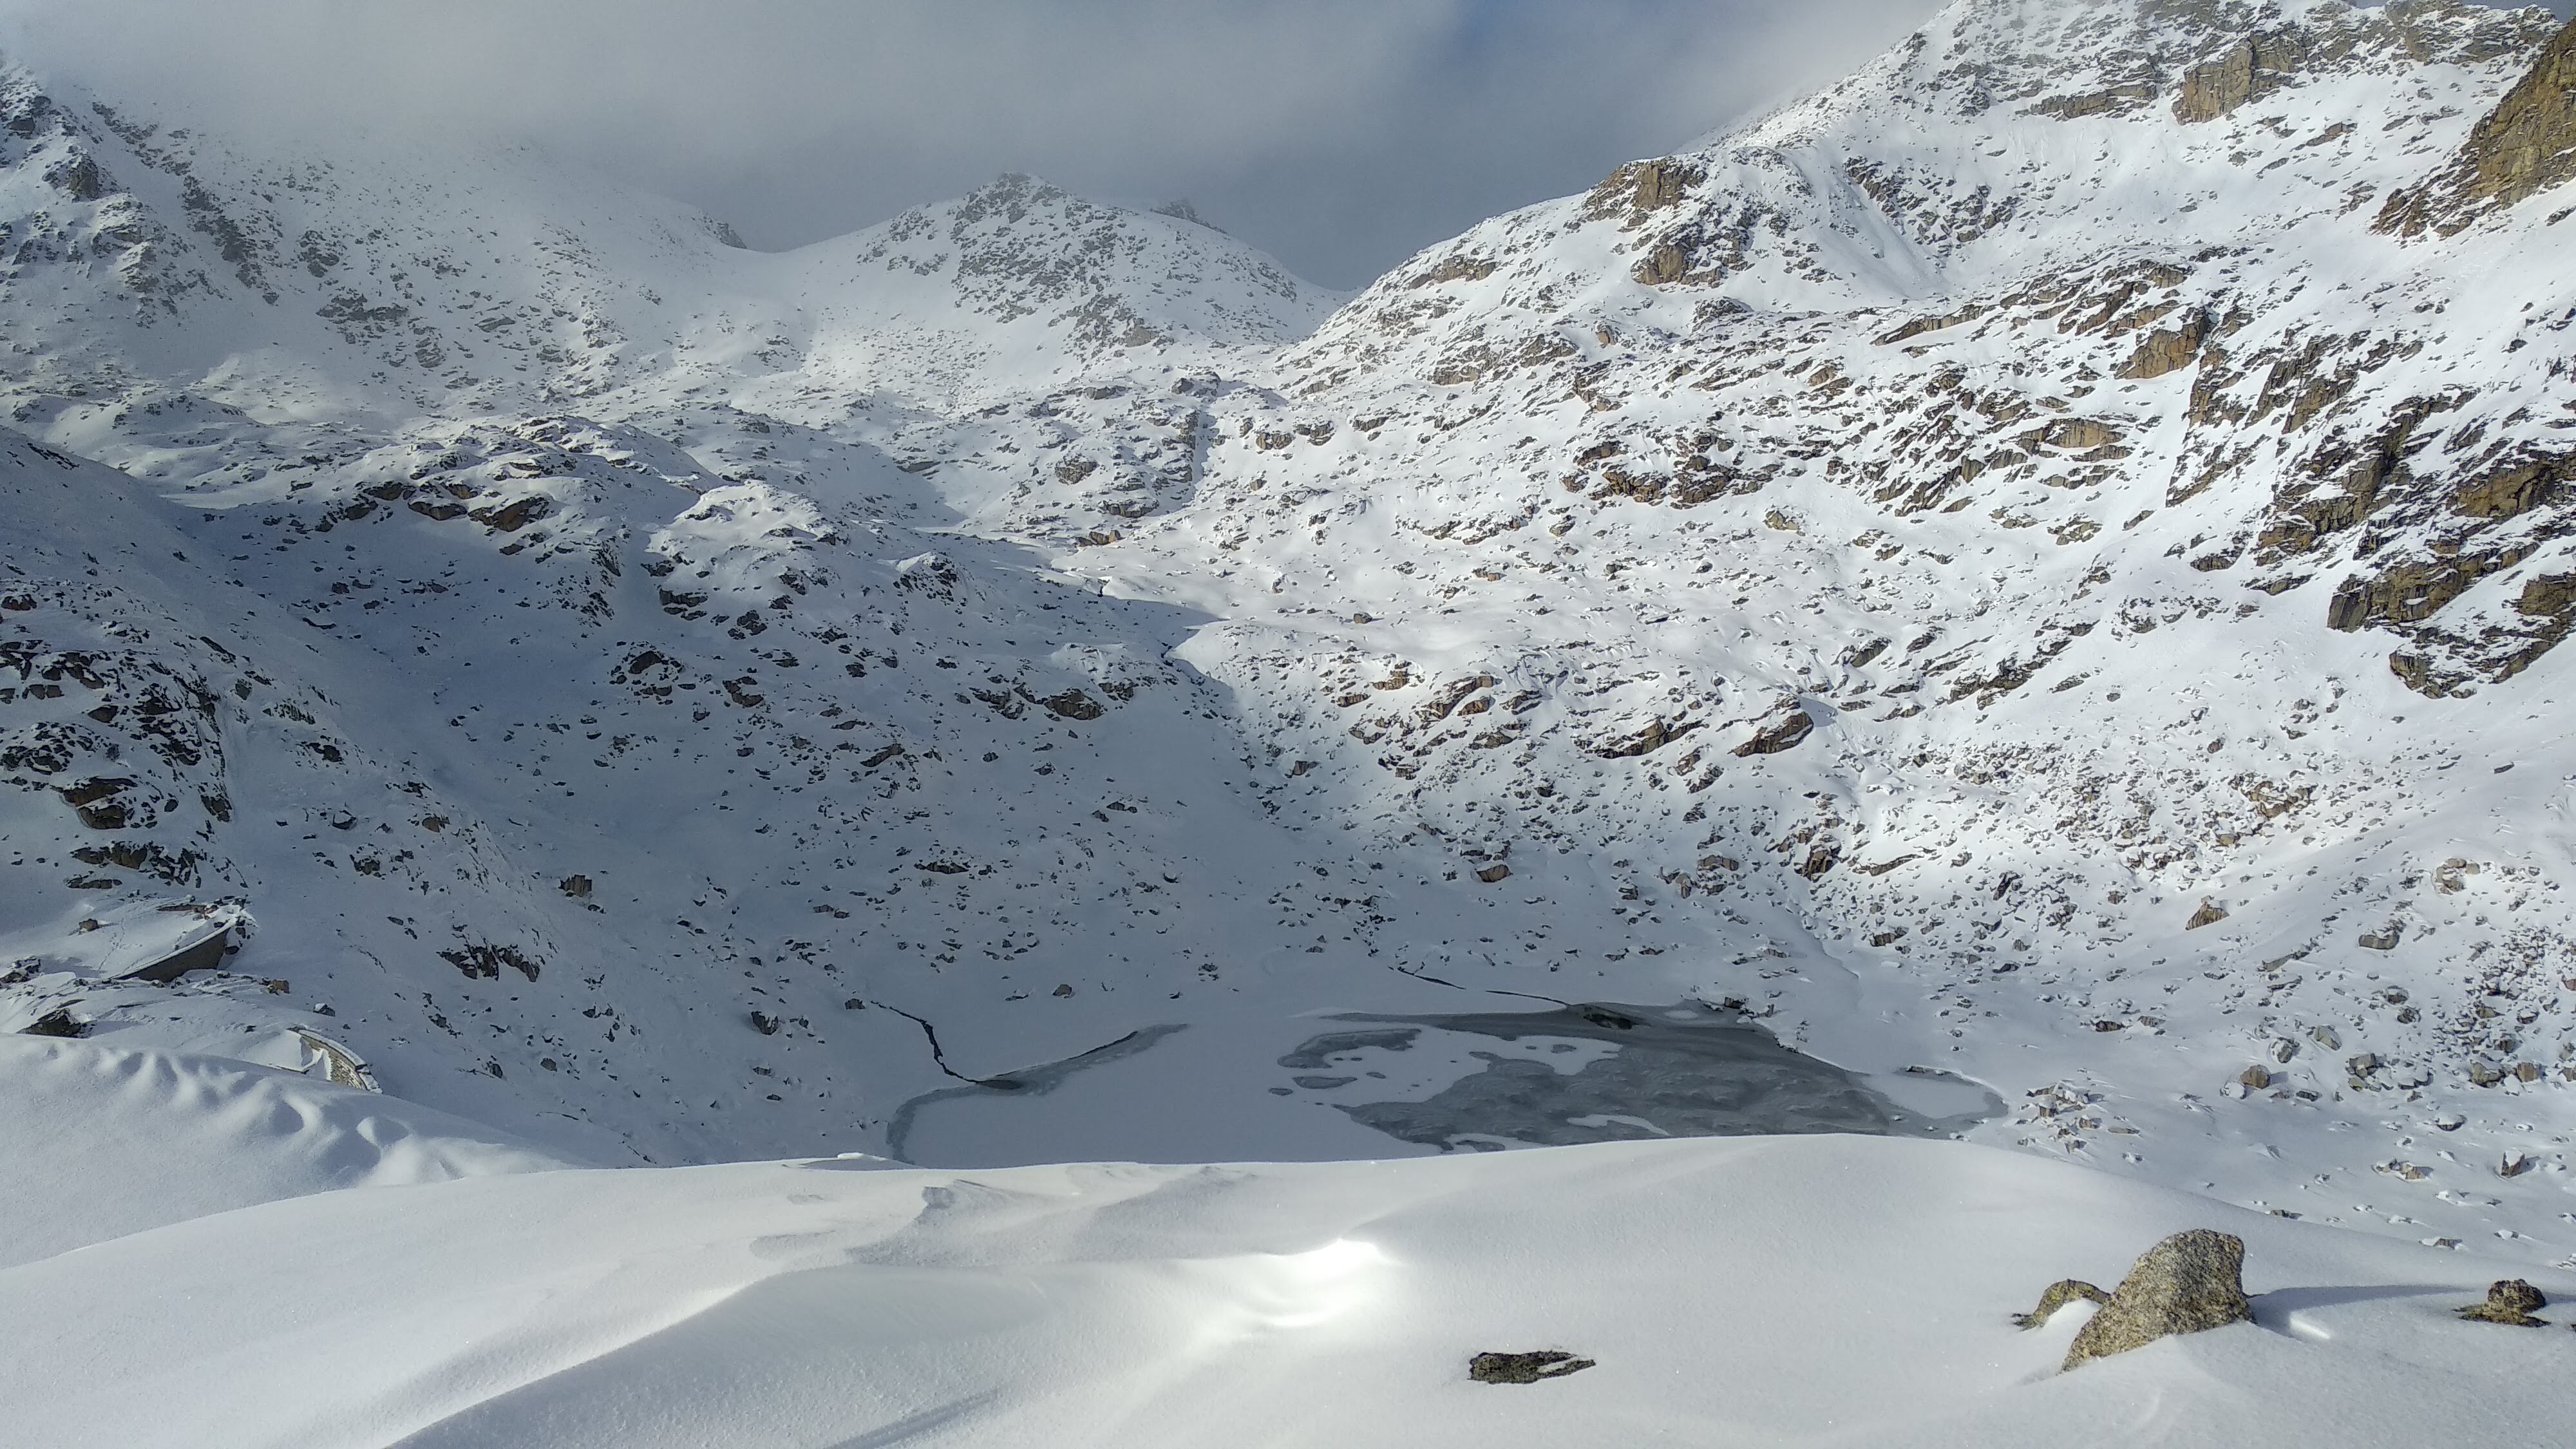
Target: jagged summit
[
  {"x": 1022, "y": 274},
  {"x": 141, "y": 247}
]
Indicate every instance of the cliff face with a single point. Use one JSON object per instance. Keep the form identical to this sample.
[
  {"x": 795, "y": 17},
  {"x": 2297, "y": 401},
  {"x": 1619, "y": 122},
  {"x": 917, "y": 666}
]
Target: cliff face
[{"x": 2525, "y": 146}]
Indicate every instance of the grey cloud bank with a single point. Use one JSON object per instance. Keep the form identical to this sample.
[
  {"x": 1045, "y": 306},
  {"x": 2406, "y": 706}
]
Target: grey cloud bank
[{"x": 1341, "y": 135}]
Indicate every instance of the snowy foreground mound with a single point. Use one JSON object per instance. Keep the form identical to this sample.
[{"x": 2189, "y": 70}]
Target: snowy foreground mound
[
  {"x": 101, "y": 1142},
  {"x": 1746, "y": 1290}
]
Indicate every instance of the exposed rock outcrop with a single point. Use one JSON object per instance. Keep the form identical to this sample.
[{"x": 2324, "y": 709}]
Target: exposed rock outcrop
[
  {"x": 2056, "y": 1296},
  {"x": 2189, "y": 1283},
  {"x": 2525, "y": 146},
  {"x": 1780, "y": 734},
  {"x": 1525, "y": 1368},
  {"x": 2255, "y": 67},
  {"x": 2509, "y": 1301}
]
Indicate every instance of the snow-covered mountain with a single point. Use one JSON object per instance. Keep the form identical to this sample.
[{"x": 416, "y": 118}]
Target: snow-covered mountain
[{"x": 2031, "y": 575}]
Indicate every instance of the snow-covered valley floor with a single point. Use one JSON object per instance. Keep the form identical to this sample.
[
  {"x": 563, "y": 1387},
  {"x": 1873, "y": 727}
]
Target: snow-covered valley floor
[{"x": 1771, "y": 1290}]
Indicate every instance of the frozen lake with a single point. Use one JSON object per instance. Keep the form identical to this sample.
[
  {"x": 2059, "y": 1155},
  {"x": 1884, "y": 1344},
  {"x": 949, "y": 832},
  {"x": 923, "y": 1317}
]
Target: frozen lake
[{"x": 1354, "y": 1084}]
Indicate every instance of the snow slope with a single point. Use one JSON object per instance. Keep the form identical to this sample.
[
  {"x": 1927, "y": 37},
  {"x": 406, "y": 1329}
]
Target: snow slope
[
  {"x": 2002, "y": 574},
  {"x": 1732, "y": 1292},
  {"x": 102, "y": 1142}
]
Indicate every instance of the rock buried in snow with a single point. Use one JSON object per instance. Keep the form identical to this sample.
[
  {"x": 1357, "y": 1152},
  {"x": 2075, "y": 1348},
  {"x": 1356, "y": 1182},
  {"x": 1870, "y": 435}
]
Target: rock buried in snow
[
  {"x": 2056, "y": 1296},
  {"x": 57, "y": 1022},
  {"x": 1524, "y": 1368},
  {"x": 2509, "y": 1301},
  {"x": 2189, "y": 1282}
]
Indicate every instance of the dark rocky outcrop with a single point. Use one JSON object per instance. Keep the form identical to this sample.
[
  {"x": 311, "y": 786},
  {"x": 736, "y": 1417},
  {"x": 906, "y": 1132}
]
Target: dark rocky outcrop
[
  {"x": 1073, "y": 704},
  {"x": 2189, "y": 1283},
  {"x": 96, "y": 802},
  {"x": 57, "y": 1022},
  {"x": 1525, "y": 1368}
]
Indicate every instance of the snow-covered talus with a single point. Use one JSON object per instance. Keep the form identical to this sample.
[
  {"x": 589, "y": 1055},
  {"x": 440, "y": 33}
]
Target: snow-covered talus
[
  {"x": 2005, "y": 536},
  {"x": 1997, "y": 568}
]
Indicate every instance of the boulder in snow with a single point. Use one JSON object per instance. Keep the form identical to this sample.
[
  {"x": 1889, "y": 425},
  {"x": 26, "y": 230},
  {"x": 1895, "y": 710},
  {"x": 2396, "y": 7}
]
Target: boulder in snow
[
  {"x": 1524, "y": 1368},
  {"x": 2509, "y": 1301},
  {"x": 2190, "y": 1282}
]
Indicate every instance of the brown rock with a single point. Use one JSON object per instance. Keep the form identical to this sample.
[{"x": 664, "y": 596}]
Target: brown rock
[
  {"x": 1782, "y": 734},
  {"x": 1642, "y": 186},
  {"x": 2513, "y": 489},
  {"x": 2209, "y": 914},
  {"x": 2547, "y": 595},
  {"x": 2190, "y": 1282},
  {"x": 2056, "y": 1296},
  {"x": 2509, "y": 1301},
  {"x": 2167, "y": 349},
  {"x": 2256, "y": 67},
  {"x": 1457, "y": 267},
  {"x": 1666, "y": 263}
]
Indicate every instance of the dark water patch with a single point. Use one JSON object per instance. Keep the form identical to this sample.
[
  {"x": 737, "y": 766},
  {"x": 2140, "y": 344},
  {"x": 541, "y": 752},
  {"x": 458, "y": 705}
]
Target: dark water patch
[
  {"x": 1666, "y": 1072},
  {"x": 1319, "y": 1051},
  {"x": 1026, "y": 1081}
]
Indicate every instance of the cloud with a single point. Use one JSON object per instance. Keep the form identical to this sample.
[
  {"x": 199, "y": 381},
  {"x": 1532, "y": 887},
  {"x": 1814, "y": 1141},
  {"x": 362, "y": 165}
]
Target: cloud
[{"x": 1339, "y": 134}]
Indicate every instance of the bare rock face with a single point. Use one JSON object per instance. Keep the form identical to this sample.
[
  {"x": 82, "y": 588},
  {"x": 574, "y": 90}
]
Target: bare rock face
[
  {"x": 2525, "y": 146},
  {"x": 2167, "y": 350},
  {"x": 2254, "y": 68},
  {"x": 1780, "y": 734},
  {"x": 2509, "y": 1301},
  {"x": 2189, "y": 1282}
]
